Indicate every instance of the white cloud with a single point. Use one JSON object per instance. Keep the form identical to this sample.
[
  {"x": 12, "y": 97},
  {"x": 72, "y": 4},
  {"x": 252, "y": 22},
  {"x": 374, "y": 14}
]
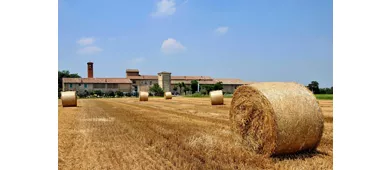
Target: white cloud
[
  {"x": 138, "y": 60},
  {"x": 89, "y": 50},
  {"x": 165, "y": 8},
  {"x": 86, "y": 41},
  {"x": 221, "y": 30},
  {"x": 171, "y": 46}
]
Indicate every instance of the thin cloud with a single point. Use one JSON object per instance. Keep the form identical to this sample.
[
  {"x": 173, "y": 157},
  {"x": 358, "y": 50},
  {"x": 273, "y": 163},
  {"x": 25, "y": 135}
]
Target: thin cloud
[
  {"x": 164, "y": 8},
  {"x": 221, "y": 30},
  {"x": 171, "y": 46},
  {"x": 89, "y": 50},
  {"x": 86, "y": 41}
]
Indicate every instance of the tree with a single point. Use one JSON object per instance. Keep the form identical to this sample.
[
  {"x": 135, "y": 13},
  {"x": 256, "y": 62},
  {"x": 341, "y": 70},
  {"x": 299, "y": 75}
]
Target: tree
[
  {"x": 218, "y": 86},
  {"x": 181, "y": 85},
  {"x": 175, "y": 88},
  {"x": 119, "y": 93},
  {"x": 314, "y": 87},
  {"x": 186, "y": 89},
  {"x": 156, "y": 90},
  {"x": 65, "y": 74},
  {"x": 208, "y": 87},
  {"x": 194, "y": 86}
]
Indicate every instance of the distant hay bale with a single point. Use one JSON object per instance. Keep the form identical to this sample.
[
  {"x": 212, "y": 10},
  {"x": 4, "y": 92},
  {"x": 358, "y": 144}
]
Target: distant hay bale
[
  {"x": 143, "y": 96},
  {"x": 69, "y": 99},
  {"x": 168, "y": 95},
  {"x": 216, "y": 97},
  {"x": 276, "y": 118}
]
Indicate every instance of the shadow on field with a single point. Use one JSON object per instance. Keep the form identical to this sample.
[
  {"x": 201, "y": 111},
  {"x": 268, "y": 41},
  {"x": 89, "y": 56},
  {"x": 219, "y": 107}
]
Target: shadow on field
[{"x": 300, "y": 155}]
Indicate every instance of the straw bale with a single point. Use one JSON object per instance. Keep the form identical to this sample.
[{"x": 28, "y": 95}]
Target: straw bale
[
  {"x": 69, "y": 99},
  {"x": 276, "y": 118},
  {"x": 216, "y": 97},
  {"x": 143, "y": 96},
  {"x": 168, "y": 95}
]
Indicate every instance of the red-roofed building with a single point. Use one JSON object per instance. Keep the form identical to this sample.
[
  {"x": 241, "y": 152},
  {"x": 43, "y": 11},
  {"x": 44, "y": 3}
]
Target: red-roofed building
[{"x": 134, "y": 81}]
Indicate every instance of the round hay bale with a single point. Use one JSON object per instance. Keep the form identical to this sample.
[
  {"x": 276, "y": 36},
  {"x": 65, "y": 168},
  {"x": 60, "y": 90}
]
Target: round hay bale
[
  {"x": 143, "y": 96},
  {"x": 276, "y": 118},
  {"x": 69, "y": 99},
  {"x": 168, "y": 95},
  {"x": 216, "y": 97}
]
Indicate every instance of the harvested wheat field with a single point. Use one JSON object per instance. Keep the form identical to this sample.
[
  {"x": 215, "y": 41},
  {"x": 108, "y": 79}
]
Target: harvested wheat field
[{"x": 182, "y": 133}]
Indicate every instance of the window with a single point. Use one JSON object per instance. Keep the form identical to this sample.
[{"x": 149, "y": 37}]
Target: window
[
  {"x": 70, "y": 85},
  {"x": 150, "y": 82},
  {"x": 85, "y": 85},
  {"x": 99, "y": 86},
  {"x": 79, "y": 84},
  {"x": 112, "y": 86}
]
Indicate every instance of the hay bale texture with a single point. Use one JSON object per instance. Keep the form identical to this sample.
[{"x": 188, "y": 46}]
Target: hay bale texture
[
  {"x": 69, "y": 99},
  {"x": 143, "y": 96},
  {"x": 168, "y": 95},
  {"x": 276, "y": 118},
  {"x": 216, "y": 97}
]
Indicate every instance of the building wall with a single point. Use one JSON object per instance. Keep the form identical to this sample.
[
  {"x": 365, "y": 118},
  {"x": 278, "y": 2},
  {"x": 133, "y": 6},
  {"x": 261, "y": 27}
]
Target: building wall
[
  {"x": 229, "y": 88},
  {"x": 81, "y": 88},
  {"x": 143, "y": 85},
  {"x": 164, "y": 81}
]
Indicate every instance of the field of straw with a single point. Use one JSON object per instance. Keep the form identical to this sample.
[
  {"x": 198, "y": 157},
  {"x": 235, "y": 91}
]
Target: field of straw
[{"x": 182, "y": 133}]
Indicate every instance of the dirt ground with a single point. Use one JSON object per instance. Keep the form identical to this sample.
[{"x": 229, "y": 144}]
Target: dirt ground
[{"x": 182, "y": 133}]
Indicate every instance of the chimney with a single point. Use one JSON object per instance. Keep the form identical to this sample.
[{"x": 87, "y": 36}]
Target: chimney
[{"x": 90, "y": 69}]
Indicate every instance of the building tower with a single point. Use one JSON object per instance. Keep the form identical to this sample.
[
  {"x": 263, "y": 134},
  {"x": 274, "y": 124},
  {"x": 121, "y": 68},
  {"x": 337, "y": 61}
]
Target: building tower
[
  {"x": 164, "y": 81},
  {"x": 90, "y": 69}
]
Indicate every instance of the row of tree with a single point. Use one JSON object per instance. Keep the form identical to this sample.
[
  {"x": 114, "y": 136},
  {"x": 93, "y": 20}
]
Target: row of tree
[
  {"x": 156, "y": 90},
  {"x": 205, "y": 88},
  {"x": 315, "y": 88}
]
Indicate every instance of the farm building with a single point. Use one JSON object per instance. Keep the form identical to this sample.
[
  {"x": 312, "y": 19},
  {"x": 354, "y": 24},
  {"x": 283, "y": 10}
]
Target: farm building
[{"x": 136, "y": 82}]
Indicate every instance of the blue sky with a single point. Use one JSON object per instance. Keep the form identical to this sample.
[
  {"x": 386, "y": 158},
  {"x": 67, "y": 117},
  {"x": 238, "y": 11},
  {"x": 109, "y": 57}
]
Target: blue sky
[{"x": 254, "y": 40}]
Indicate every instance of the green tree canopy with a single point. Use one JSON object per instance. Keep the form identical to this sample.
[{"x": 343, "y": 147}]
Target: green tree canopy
[
  {"x": 156, "y": 90},
  {"x": 65, "y": 74},
  {"x": 314, "y": 87},
  {"x": 194, "y": 86}
]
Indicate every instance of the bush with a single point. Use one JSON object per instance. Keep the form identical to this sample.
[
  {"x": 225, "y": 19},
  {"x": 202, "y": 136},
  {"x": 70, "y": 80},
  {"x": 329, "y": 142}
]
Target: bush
[
  {"x": 110, "y": 93},
  {"x": 128, "y": 94},
  {"x": 197, "y": 95},
  {"x": 119, "y": 93},
  {"x": 98, "y": 92},
  {"x": 203, "y": 91}
]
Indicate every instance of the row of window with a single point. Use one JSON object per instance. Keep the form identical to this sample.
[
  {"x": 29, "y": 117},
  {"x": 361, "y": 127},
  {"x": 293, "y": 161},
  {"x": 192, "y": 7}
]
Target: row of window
[{"x": 98, "y": 86}]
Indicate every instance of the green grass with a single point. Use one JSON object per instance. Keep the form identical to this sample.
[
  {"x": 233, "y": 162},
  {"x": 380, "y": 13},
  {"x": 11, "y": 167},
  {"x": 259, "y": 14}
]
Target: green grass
[{"x": 324, "y": 96}]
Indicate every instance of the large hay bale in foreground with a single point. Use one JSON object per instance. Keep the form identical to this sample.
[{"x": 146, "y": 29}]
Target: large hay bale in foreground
[
  {"x": 69, "y": 99},
  {"x": 143, "y": 96},
  {"x": 276, "y": 118},
  {"x": 168, "y": 95},
  {"x": 216, "y": 97}
]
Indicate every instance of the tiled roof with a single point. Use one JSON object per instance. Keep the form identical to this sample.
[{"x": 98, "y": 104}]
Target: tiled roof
[
  {"x": 165, "y": 72},
  {"x": 71, "y": 80},
  {"x": 97, "y": 80},
  {"x": 229, "y": 81},
  {"x": 118, "y": 80},
  {"x": 145, "y": 77},
  {"x": 132, "y": 70},
  {"x": 191, "y": 78}
]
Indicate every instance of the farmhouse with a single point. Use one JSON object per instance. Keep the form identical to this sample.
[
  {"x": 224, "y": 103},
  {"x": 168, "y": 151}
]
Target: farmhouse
[{"x": 134, "y": 81}]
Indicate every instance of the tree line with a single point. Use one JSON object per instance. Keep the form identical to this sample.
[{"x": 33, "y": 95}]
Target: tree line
[{"x": 315, "y": 88}]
